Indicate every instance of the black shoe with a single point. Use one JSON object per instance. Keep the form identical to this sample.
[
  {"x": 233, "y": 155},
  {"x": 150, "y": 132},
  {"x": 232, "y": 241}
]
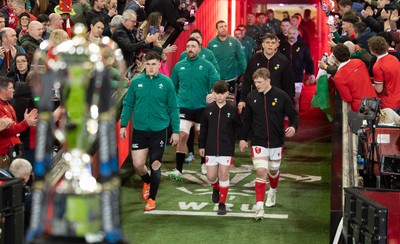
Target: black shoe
[
  {"x": 215, "y": 196},
  {"x": 221, "y": 209}
]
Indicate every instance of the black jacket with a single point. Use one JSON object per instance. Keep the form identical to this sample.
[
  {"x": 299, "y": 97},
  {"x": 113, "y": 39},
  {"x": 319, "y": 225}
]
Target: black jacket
[
  {"x": 279, "y": 68},
  {"x": 129, "y": 45},
  {"x": 127, "y": 42},
  {"x": 300, "y": 59},
  {"x": 103, "y": 14},
  {"x": 22, "y": 100},
  {"x": 217, "y": 130},
  {"x": 30, "y": 45},
  {"x": 17, "y": 76},
  {"x": 265, "y": 113}
]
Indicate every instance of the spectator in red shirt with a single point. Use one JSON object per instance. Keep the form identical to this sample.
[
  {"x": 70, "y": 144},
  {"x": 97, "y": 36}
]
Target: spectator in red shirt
[
  {"x": 9, "y": 136},
  {"x": 352, "y": 78},
  {"x": 386, "y": 73}
]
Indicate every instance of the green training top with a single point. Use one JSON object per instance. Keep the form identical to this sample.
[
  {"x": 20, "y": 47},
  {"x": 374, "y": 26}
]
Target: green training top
[
  {"x": 153, "y": 103},
  {"x": 193, "y": 81},
  {"x": 230, "y": 56}
]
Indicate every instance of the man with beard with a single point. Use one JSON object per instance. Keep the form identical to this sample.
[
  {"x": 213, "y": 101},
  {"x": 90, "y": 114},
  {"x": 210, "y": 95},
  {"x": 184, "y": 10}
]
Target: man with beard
[
  {"x": 277, "y": 64},
  {"x": 204, "y": 52},
  {"x": 229, "y": 54},
  {"x": 193, "y": 78},
  {"x": 208, "y": 55},
  {"x": 300, "y": 60}
]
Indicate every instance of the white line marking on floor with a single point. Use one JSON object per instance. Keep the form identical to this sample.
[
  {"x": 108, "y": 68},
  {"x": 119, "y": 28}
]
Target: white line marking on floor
[{"x": 229, "y": 214}]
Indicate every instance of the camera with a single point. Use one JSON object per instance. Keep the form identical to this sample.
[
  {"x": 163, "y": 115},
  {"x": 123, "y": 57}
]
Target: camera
[{"x": 369, "y": 108}]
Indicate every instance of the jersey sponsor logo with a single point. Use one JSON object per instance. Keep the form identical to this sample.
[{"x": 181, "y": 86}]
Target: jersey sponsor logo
[
  {"x": 140, "y": 85},
  {"x": 183, "y": 68},
  {"x": 257, "y": 150},
  {"x": 135, "y": 145},
  {"x": 215, "y": 45},
  {"x": 160, "y": 86}
]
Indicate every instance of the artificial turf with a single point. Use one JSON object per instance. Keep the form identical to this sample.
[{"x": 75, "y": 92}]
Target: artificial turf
[{"x": 301, "y": 214}]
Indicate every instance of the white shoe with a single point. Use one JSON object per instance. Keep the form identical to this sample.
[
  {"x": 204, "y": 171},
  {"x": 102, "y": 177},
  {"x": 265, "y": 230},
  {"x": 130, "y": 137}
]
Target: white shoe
[
  {"x": 271, "y": 199},
  {"x": 259, "y": 213},
  {"x": 176, "y": 175},
  {"x": 189, "y": 158},
  {"x": 204, "y": 169}
]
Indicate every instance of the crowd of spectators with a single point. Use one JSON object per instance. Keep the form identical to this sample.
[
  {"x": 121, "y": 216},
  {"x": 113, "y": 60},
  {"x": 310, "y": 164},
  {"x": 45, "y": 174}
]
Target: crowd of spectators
[
  {"x": 369, "y": 33},
  {"x": 135, "y": 25},
  {"x": 364, "y": 39}
]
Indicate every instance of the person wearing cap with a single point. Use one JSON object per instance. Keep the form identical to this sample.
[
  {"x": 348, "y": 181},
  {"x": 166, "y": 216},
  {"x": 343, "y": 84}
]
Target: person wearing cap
[
  {"x": 66, "y": 11},
  {"x": 23, "y": 22}
]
